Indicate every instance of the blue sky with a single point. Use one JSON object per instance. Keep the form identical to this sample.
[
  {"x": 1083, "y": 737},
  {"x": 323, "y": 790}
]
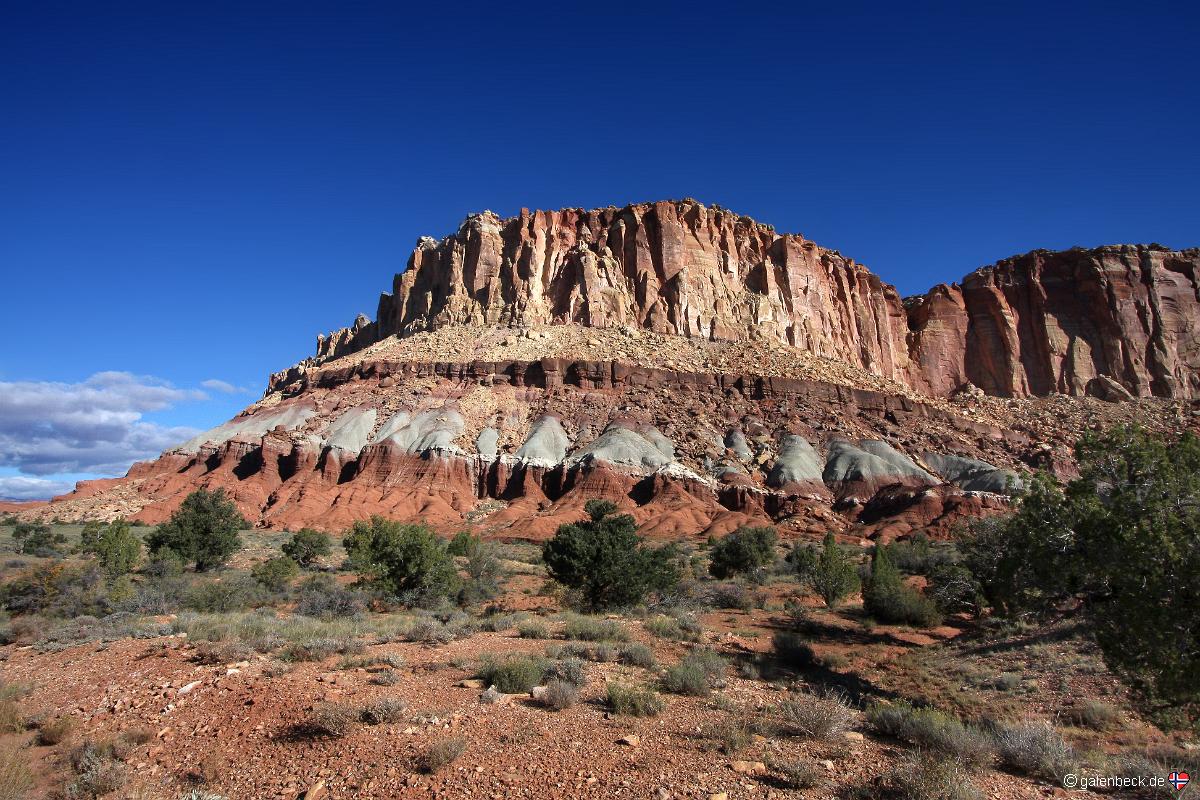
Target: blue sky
[{"x": 190, "y": 192}]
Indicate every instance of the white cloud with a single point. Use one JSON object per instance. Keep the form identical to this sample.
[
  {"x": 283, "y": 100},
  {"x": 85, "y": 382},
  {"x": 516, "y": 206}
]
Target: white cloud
[
  {"x": 20, "y": 487},
  {"x": 225, "y": 387},
  {"x": 95, "y": 426}
]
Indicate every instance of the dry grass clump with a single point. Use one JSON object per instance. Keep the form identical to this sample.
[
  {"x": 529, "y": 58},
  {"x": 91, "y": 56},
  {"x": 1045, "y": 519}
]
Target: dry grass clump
[
  {"x": 98, "y": 769},
  {"x": 560, "y": 695},
  {"x": 11, "y": 718},
  {"x": 332, "y": 719},
  {"x": 730, "y": 736},
  {"x": 633, "y": 701},
  {"x": 798, "y": 774},
  {"x": 1095, "y": 714},
  {"x": 55, "y": 731},
  {"x": 516, "y": 674},
  {"x": 385, "y": 711},
  {"x": 1035, "y": 748},
  {"x": 636, "y": 654},
  {"x": 568, "y": 670},
  {"x": 441, "y": 754},
  {"x": 533, "y": 629},
  {"x": 697, "y": 674},
  {"x": 591, "y": 629},
  {"x": 16, "y": 779},
  {"x": 927, "y": 776},
  {"x": 823, "y": 715}
]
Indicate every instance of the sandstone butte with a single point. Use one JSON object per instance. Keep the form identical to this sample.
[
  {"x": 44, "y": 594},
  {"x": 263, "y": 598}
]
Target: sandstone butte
[{"x": 701, "y": 370}]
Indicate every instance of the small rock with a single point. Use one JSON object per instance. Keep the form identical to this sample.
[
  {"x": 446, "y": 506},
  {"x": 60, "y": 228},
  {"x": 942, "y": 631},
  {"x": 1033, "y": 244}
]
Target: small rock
[
  {"x": 471, "y": 683},
  {"x": 188, "y": 687},
  {"x": 853, "y": 736},
  {"x": 537, "y": 692},
  {"x": 630, "y": 740},
  {"x": 748, "y": 767},
  {"x": 718, "y": 796},
  {"x": 316, "y": 792},
  {"x": 491, "y": 696}
]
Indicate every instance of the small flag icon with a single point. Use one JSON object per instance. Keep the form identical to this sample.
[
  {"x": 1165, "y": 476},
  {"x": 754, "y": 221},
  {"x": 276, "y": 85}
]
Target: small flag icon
[{"x": 1178, "y": 780}]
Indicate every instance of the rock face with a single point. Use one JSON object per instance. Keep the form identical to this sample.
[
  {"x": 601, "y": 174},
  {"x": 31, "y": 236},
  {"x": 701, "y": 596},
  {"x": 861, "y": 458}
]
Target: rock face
[
  {"x": 701, "y": 371},
  {"x": 1030, "y": 325}
]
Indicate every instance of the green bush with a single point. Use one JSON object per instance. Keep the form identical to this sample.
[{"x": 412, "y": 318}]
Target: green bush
[
  {"x": 560, "y": 695},
  {"x": 117, "y": 548},
  {"x": 696, "y": 674},
  {"x": 636, "y": 655},
  {"x": 932, "y": 730},
  {"x": 275, "y": 573},
  {"x": 746, "y": 551},
  {"x": 793, "y": 650},
  {"x": 441, "y": 754},
  {"x": 1121, "y": 541},
  {"x": 307, "y": 545},
  {"x": 1035, "y": 748},
  {"x": 533, "y": 629},
  {"x": 833, "y": 574},
  {"x": 37, "y": 539},
  {"x": 203, "y": 530},
  {"x": 633, "y": 701},
  {"x": 323, "y": 597},
  {"x": 604, "y": 561},
  {"x": 591, "y": 629},
  {"x": 463, "y": 544},
  {"x": 483, "y": 575},
  {"x": 515, "y": 674},
  {"x": 569, "y": 670},
  {"x": 889, "y": 599},
  {"x": 235, "y": 593},
  {"x": 406, "y": 560}
]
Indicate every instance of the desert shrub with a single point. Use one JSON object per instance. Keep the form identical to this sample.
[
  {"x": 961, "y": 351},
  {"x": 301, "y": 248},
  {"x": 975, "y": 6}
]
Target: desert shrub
[
  {"x": 591, "y": 629},
  {"x": 275, "y": 573},
  {"x": 58, "y": 589},
  {"x": 11, "y": 718},
  {"x": 1120, "y": 539},
  {"x": 307, "y": 545},
  {"x": 222, "y": 652},
  {"x": 54, "y": 731},
  {"x": 483, "y": 575},
  {"x": 323, "y": 597},
  {"x": 16, "y": 779},
  {"x": 929, "y": 776},
  {"x": 729, "y": 736},
  {"x": 793, "y": 650},
  {"x": 406, "y": 560},
  {"x": 823, "y": 715},
  {"x": 534, "y": 629},
  {"x": 833, "y": 574},
  {"x": 567, "y": 670},
  {"x": 384, "y": 712},
  {"x": 918, "y": 556},
  {"x": 665, "y": 627},
  {"x": 889, "y": 599},
  {"x": 560, "y": 695},
  {"x": 636, "y": 654},
  {"x": 463, "y": 544},
  {"x": 1095, "y": 714},
  {"x": 799, "y": 774},
  {"x": 98, "y": 769},
  {"x": 696, "y": 674},
  {"x": 38, "y": 539},
  {"x": 604, "y": 561},
  {"x": 730, "y": 595},
  {"x": 332, "y": 719},
  {"x": 117, "y": 548},
  {"x": 953, "y": 589},
  {"x": 932, "y": 730},
  {"x": 203, "y": 530},
  {"x": 598, "y": 651},
  {"x": 633, "y": 701},
  {"x": 441, "y": 754},
  {"x": 746, "y": 551},
  {"x": 319, "y": 649},
  {"x": 1035, "y": 748},
  {"x": 515, "y": 674},
  {"x": 221, "y": 596}
]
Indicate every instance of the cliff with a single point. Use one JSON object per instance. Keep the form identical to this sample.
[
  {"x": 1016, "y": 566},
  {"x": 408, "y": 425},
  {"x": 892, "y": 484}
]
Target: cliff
[{"x": 1030, "y": 325}]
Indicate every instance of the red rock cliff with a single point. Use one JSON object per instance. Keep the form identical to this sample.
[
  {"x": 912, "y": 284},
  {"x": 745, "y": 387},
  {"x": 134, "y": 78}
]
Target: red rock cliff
[{"x": 1030, "y": 325}]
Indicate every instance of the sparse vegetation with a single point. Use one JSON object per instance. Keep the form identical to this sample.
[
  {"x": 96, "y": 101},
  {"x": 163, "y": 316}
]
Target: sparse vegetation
[
  {"x": 333, "y": 719},
  {"x": 633, "y": 701},
  {"x": 593, "y": 629},
  {"x": 889, "y": 599},
  {"x": 746, "y": 551},
  {"x": 933, "y": 730},
  {"x": 515, "y": 674},
  {"x": 823, "y": 715},
  {"x": 697, "y": 674},
  {"x": 1035, "y": 748},
  {"x": 442, "y": 754},
  {"x": 560, "y": 695},
  {"x": 793, "y": 650},
  {"x": 16, "y": 779}
]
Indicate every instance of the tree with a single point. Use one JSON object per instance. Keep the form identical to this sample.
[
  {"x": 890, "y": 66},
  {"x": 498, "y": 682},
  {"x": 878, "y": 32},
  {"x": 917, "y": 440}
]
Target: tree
[
  {"x": 407, "y": 560},
  {"x": 1122, "y": 542},
  {"x": 604, "y": 560},
  {"x": 889, "y": 599},
  {"x": 204, "y": 530},
  {"x": 834, "y": 575},
  {"x": 747, "y": 550},
  {"x": 275, "y": 573},
  {"x": 38, "y": 539},
  {"x": 307, "y": 545},
  {"x": 117, "y": 548}
]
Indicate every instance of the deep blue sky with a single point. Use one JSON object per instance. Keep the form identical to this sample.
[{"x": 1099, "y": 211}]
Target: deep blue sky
[{"x": 193, "y": 191}]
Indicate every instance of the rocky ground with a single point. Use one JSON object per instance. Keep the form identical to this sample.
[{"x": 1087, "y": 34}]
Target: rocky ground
[{"x": 208, "y": 701}]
